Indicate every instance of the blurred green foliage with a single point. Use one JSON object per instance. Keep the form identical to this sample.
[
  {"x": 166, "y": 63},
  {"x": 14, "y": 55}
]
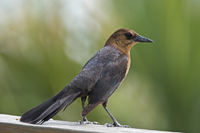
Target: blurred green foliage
[{"x": 44, "y": 44}]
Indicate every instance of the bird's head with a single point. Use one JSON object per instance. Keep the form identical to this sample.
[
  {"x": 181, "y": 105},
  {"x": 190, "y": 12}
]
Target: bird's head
[{"x": 126, "y": 39}]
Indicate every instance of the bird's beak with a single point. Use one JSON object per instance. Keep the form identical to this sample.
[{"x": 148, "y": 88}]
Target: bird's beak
[{"x": 142, "y": 39}]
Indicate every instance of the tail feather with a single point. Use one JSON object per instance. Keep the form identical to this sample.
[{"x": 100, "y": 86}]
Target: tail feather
[{"x": 47, "y": 109}]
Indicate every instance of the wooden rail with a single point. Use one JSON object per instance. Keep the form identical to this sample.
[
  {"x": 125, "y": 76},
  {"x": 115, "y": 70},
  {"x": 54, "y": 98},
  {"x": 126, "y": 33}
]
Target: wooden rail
[{"x": 11, "y": 124}]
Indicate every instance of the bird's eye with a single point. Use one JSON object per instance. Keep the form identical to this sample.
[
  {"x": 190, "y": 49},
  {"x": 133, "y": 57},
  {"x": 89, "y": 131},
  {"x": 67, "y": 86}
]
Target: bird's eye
[{"x": 128, "y": 35}]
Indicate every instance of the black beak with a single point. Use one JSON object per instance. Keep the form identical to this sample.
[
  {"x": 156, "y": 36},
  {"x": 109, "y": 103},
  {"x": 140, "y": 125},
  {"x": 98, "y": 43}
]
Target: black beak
[{"x": 142, "y": 39}]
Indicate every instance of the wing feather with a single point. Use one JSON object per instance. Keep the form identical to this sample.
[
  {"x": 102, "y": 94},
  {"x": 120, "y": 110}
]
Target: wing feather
[{"x": 110, "y": 79}]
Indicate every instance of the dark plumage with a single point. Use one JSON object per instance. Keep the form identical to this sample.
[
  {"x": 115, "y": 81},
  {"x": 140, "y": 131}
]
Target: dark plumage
[{"x": 98, "y": 79}]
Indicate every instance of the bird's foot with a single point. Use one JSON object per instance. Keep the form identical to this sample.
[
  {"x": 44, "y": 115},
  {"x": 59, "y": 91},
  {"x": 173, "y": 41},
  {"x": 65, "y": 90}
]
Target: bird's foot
[
  {"x": 85, "y": 121},
  {"x": 116, "y": 125},
  {"x": 88, "y": 122}
]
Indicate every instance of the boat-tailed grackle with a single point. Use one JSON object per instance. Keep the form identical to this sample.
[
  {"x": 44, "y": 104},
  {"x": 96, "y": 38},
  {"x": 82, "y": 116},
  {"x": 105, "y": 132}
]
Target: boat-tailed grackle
[{"x": 98, "y": 80}]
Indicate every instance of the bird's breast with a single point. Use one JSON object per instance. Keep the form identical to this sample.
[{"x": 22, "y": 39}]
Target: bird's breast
[
  {"x": 128, "y": 65},
  {"x": 127, "y": 54}
]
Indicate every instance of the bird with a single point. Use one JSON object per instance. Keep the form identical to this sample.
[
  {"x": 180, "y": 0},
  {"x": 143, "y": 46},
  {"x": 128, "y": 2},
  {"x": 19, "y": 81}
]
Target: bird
[{"x": 96, "y": 82}]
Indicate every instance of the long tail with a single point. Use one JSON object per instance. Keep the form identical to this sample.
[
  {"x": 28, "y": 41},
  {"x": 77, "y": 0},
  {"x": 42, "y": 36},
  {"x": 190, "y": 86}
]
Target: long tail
[{"x": 49, "y": 108}]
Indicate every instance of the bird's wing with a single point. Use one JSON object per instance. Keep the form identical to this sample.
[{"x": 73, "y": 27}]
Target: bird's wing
[
  {"x": 108, "y": 66},
  {"x": 110, "y": 78}
]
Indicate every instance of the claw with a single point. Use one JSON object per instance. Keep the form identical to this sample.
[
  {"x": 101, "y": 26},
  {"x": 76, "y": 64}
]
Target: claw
[
  {"x": 116, "y": 125},
  {"x": 88, "y": 122},
  {"x": 95, "y": 123}
]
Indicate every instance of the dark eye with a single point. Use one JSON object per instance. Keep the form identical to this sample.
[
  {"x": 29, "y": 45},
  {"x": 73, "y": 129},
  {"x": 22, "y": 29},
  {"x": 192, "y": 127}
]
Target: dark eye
[{"x": 128, "y": 35}]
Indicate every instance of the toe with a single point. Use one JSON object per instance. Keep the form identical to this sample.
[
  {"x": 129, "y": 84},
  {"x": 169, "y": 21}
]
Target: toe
[
  {"x": 96, "y": 123},
  {"x": 109, "y": 125},
  {"x": 88, "y": 122},
  {"x": 116, "y": 125},
  {"x": 125, "y": 126}
]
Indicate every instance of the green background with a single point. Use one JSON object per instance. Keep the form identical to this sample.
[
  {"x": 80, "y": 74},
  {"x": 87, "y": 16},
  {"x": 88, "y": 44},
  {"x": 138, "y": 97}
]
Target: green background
[{"x": 44, "y": 44}]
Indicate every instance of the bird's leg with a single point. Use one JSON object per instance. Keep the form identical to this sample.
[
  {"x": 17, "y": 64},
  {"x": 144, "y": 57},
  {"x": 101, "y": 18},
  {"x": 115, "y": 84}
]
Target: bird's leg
[
  {"x": 85, "y": 121},
  {"x": 83, "y": 99},
  {"x": 115, "y": 122}
]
